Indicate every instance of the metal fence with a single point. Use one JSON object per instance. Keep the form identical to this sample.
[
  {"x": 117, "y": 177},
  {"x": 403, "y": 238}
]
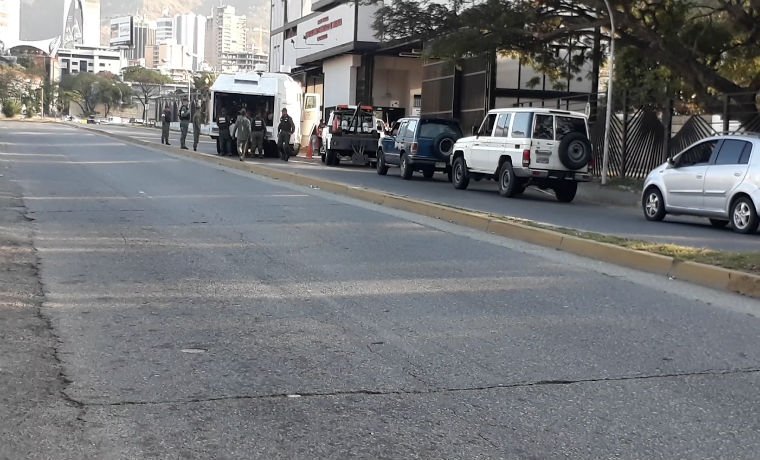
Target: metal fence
[{"x": 643, "y": 137}]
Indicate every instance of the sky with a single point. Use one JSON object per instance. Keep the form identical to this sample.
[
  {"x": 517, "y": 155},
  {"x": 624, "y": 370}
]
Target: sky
[{"x": 41, "y": 19}]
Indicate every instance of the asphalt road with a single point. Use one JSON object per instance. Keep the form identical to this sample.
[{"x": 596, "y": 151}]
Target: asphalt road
[
  {"x": 200, "y": 312},
  {"x": 537, "y": 205}
]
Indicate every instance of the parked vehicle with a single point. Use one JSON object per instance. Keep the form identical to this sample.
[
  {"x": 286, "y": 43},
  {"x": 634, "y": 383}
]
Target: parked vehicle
[
  {"x": 351, "y": 133},
  {"x": 717, "y": 178},
  {"x": 418, "y": 144},
  {"x": 259, "y": 91},
  {"x": 519, "y": 147}
]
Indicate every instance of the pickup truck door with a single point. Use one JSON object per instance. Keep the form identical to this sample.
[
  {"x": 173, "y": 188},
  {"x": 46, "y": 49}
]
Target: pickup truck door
[{"x": 481, "y": 145}]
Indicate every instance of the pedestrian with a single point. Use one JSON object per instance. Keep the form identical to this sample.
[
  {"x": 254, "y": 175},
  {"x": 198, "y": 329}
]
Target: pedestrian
[
  {"x": 197, "y": 122},
  {"x": 166, "y": 120},
  {"x": 184, "y": 124},
  {"x": 258, "y": 130},
  {"x": 225, "y": 139},
  {"x": 285, "y": 130},
  {"x": 242, "y": 131}
]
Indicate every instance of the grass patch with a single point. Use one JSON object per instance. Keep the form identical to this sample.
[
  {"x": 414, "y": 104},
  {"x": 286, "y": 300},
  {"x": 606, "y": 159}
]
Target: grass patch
[{"x": 742, "y": 261}]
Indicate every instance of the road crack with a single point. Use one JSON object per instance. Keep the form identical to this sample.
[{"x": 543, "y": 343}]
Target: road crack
[{"x": 429, "y": 391}]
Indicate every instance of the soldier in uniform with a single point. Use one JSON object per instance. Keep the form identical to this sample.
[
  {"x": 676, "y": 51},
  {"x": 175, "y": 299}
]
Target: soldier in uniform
[
  {"x": 184, "y": 124},
  {"x": 166, "y": 119},
  {"x": 242, "y": 131},
  {"x": 225, "y": 139},
  {"x": 258, "y": 131},
  {"x": 197, "y": 122},
  {"x": 285, "y": 129}
]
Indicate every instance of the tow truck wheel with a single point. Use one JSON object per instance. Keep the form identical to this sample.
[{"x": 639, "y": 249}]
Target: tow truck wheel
[{"x": 331, "y": 158}]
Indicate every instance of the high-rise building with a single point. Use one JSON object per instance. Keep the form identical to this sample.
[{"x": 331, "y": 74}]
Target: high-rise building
[
  {"x": 10, "y": 21},
  {"x": 190, "y": 32},
  {"x": 165, "y": 30},
  {"x": 228, "y": 34},
  {"x": 143, "y": 35},
  {"x": 91, "y": 22}
]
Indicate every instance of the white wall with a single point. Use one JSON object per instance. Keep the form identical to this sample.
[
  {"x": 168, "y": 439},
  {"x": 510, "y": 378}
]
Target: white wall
[
  {"x": 340, "y": 80},
  {"x": 396, "y": 79}
]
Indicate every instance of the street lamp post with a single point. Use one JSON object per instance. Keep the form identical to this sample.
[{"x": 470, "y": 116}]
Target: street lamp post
[{"x": 608, "y": 121}]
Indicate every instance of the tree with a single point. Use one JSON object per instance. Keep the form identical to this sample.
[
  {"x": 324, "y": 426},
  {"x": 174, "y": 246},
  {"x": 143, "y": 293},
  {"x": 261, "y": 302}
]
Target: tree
[
  {"x": 147, "y": 82},
  {"x": 202, "y": 83},
  {"x": 82, "y": 89},
  {"x": 708, "y": 47},
  {"x": 113, "y": 92}
]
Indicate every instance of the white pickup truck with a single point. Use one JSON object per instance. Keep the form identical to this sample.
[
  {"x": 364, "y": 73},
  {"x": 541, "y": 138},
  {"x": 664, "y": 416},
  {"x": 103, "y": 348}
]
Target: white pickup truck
[{"x": 526, "y": 146}]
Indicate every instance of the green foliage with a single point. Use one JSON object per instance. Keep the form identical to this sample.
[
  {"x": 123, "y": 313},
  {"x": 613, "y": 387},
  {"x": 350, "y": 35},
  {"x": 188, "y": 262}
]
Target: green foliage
[
  {"x": 203, "y": 82},
  {"x": 11, "y": 108},
  {"x": 146, "y": 83},
  {"x": 696, "y": 48}
]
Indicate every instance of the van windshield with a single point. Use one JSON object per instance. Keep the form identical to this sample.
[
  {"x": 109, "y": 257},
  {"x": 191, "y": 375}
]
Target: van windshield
[
  {"x": 567, "y": 125},
  {"x": 433, "y": 129}
]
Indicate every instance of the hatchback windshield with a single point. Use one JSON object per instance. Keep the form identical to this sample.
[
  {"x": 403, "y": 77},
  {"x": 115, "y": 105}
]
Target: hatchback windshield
[{"x": 436, "y": 128}]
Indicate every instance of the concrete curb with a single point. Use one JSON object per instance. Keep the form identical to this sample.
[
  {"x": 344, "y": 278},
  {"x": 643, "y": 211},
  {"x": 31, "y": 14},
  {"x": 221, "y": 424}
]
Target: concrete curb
[{"x": 706, "y": 275}]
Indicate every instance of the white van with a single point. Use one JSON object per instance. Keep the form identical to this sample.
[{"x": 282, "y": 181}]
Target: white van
[
  {"x": 526, "y": 146},
  {"x": 264, "y": 92}
]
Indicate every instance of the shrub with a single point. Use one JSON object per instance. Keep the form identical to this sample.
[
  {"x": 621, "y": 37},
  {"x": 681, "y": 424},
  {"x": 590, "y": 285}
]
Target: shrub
[{"x": 11, "y": 109}]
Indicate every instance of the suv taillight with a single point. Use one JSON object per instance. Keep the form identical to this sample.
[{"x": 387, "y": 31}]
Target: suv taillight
[
  {"x": 414, "y": 147},
  {"x": 526, "y": 158}
]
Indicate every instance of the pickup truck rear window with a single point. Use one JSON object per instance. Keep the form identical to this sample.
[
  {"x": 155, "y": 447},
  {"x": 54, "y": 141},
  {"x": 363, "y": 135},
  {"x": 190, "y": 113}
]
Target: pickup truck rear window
[{"x": 567, "y": 125}]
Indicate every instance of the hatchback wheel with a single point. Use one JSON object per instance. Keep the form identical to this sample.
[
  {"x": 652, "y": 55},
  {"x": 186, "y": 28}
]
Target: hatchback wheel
[
  {"x": 653, "y": 204},
  {"x": 459, "y": 176},
  {"x": 744, "y": 216}
]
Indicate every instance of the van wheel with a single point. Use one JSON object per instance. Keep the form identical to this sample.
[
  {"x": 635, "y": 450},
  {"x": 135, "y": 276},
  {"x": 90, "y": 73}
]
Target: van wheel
[
  {"x": 744, "y": 216},
  {"x": 382, "y": 168},
  {"x": 507, "y": 181},
  {"x": 565, "y": 191},
  {"x": 459, "y": 175},
  {"x": 406, "y": 168}
]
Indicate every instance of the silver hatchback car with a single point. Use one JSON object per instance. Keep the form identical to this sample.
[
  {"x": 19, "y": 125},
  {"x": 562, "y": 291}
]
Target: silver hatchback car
[{"x": 718, "y": 178}]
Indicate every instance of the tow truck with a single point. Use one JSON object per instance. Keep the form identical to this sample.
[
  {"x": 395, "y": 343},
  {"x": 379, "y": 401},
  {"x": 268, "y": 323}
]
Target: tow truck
[{"x": 351, "y": 133}]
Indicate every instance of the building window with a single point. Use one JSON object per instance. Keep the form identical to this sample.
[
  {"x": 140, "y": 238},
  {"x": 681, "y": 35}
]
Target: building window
[{"x": 290, "y": 33}]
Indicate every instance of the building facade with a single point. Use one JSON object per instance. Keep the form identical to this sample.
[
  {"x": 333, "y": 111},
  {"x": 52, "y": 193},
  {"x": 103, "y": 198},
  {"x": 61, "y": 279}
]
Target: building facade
[
  {"x": 242, "y": 62},
  {"x": 227, "y": 34},
  {"x": 87, "y": 59},
  {"x": 144, "y": 35},
  {"x": 190, "y": 32},
  {"x": 10, "y": 22},
  {"x": 165, "y": 30}
]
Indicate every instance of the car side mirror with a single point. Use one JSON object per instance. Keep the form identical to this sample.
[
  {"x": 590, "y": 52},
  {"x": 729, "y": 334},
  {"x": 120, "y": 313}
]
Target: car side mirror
[
  {"x": 475, "y": 130},
  {"x": 671, "y": 162}
]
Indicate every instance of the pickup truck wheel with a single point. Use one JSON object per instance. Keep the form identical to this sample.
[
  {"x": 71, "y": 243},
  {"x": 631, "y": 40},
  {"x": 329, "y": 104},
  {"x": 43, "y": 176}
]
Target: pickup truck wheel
[
  {"x": 428, "y": 173},
  {"x": 460, "y": 177},
  {"x": 382, "y": 168},
  {"x": 507, "y": 181},
  {"x": 565, "y": 191},
  {"x": 406, "y": 168},
  {"x": 575, "y": 151}
]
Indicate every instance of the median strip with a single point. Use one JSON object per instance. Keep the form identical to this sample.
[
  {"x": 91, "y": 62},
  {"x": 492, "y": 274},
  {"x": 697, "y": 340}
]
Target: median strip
[{"x": 733, "y": 272}]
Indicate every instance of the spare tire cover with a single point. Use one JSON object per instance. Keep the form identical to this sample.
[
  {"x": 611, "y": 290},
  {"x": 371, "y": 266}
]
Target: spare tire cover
[{"x": 575, "y": 151}]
